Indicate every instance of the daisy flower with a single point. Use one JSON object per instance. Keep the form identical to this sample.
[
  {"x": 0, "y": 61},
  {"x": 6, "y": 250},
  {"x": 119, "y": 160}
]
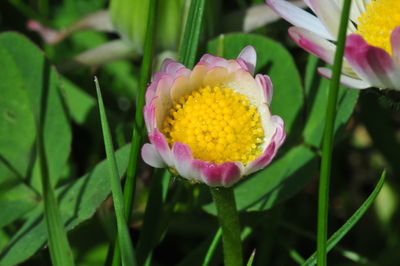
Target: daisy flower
[
  {"x": 211, "y": 124},
  {"x": 372, "y": 51}
]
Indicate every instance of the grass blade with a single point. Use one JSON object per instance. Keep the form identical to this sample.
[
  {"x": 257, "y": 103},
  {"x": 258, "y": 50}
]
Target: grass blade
[
  {"x": 60, "y": 250},
  {"x": 124, "y": 240},
  {"x": 327, "y": 146},
  {"x": 251, "y": 259},
  {"x": 212, "y": 248},
  {"x": 349, "y": 254},
  {"x": 344, "y": 229},
  {"x": 191, "y": 35},
  {"x": 138, "y": 127}
]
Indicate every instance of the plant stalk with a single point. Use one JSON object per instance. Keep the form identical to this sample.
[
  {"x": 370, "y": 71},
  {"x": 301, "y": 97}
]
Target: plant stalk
[
  {"x": 229, "y": 222},
  {"x": 327, "y": 146}
]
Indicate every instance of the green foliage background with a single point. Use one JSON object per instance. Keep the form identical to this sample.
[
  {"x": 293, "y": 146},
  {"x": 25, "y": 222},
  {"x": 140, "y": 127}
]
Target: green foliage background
[{"x": 277, "y": 204}]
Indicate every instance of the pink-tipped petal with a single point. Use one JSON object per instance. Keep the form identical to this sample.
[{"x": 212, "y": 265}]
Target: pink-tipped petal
[
  {"x": 152, "y": 88},
  {"x": 211, "y": 61},
  {"x": 161, "y": 145},
  {"x": 264, "y": 82},
  {"x": 263, "y": 160},
  {"x": 277, "y": 140},
  {"x": 150, "y": 95},
  {"x": 344, "y": 80},
  {"x": 171, "y": 67},
  {"x": 183, "y": 161},
  {"x": 49, "y": 35},
  {"x": 99, "y": 20},
  {"x": 248, "y": 56},
  {"x": 151, "y": 156},
  {"x": 163, "y": 101},
  {"x": 395, "y": 42},
  {"x": 218, "y": 175},
  {"x": 313, "y": 43},
  {"x": 280, "y": 133},
  {"x": 371, "y": 63},
  {"x": 299, "y": 17},
  {"x": 149, "y": 114}
]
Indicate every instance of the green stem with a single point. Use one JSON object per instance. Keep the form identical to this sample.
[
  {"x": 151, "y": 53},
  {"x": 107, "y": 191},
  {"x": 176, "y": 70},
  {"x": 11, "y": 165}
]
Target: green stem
[
  {"x": 323, "y": 195},
  {"x": 229, "y": 222},
  {"x": 138, "y": 127}
]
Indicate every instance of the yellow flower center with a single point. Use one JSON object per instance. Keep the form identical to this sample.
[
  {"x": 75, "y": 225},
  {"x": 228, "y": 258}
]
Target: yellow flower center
[
  {"x": 378, "y": 21},
  {"x": 219, "y": 125}
]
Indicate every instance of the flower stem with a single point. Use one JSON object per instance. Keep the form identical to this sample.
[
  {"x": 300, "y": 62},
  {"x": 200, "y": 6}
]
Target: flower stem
[
  {"x": 229, "y": 222},
  {"x": 327, "y": 146}
]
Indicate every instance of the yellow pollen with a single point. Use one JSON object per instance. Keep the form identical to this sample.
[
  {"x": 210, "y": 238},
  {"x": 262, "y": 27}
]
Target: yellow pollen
[
  {"x": 219, "y": 125},
  {"x": 378, "y": 21}
]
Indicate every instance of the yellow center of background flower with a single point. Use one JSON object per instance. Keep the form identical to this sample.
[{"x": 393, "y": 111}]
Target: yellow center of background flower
[
  {"x": 219, "y": 125},
  {"x": 378, "y": 21}
]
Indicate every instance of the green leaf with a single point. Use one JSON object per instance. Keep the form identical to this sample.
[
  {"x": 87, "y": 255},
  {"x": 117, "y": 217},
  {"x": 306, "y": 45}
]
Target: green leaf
[
  {"x": 22, "y": 68},
  {"x": 274, "y": 60},
  {"x": 78, "y": 102},
  {"x": 317, "y": 98},
  {"x": 351, "y": 222},
  {"x": 31, "y": 88},
  {"x": 281, "y": 180},
  {"x": 16, "y": 198},
  {"x": 78, "y": 202},
  {"x": 17, "y": 127},
  {"x": 124, "y": 239}
]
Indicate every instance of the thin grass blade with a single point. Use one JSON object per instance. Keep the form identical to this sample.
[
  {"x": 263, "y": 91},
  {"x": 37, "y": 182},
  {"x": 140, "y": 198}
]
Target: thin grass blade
[
  {"x": 60, "y": 250},
  {"x": 351, "y": 222},
  {"x": 251, "y": 259},
  {"x": 138, "y": 127},
  {"x": 212, "y": 248},
  {"x": 191, "y": 35},
  {"x": 124, "y": 240}
]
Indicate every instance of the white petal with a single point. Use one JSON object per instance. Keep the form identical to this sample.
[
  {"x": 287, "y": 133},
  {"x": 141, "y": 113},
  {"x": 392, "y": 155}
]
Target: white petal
[
  {"x": 329, "y": 12},
  {"x": 345, "y": 80},
  {"x": 249, "y": 56},
  {"x": 299, "y": 18},
  {"x": 151, "y": 156}
]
